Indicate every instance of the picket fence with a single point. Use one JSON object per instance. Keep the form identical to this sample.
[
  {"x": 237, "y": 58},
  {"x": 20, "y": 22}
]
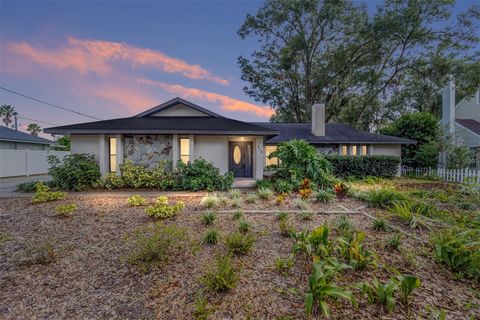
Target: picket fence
[{"x": 450, "y": 175}]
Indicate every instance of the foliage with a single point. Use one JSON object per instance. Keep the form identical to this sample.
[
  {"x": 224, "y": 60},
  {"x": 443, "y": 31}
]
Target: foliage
[
  {"x": 315, "y": 243},
  {"x": 264, "y": 193},
  {"x": 324, "y": 196},
  {"x": 355, "y": 253},
  {"x": 209, "y": 201},
  {"x": 28, "y": 186},
  {"x": 381, "y": 197},
  {"x": 235, "y": 194},
  {"x": 34, "y": 129},
  {"x": 344, "y": 225},
  {"x": 364, "y": 166},
  {"x": 156, "y": 244},
  {"x": 322, "y": 288},
  {"x": 239, "y": 243},
  {"x": 282, "y": 215},
  {"x": 300, "y": 204},
  {"x": 221, "y": 276},
  {"x": 202, "y": 309},
  {"x": 237, "y": 215},
  {"x": 7, "y": 112},
  {"x": 286, "y": 228},
  {"x": 66, "y": 210},
  {"x": 459, "y": 157},
  {"x": 422, "y": 127},
  {"x": 162, "y": 210},
  {"x": 38, "y": 252},
  {"x": 283, "y": 265},
  {"x": 426, "y": 155},
  {"x": 264, "y": 183},
  {"x": 299, "y": 160},
  {"x": 62, "y": 143},
  {"x": 244, "y": 226},
  {"x": 281, "y": 198},
  {"x": 236, "y": 203},
  {"x": 394, "y": 242},
  {"x": 110, "y": 181},
  {"x": 43, "y": 194},
  {"x": 409, "y": 212},
  {"x": 381, "y": 293},
  {"x": 307, "y": 216},
  {"x": 283, "y": 186},
  {"x": 74, "y": 172},
  {"x": 136, "y": 200},
  {"x": 458, "y": 249},
  {"x": 201, "y": 175},
  {"x": 407, "y": 283},
  {"x": 208, "y": 218},
  {"x": 341, "y": 190},
  {"x": 251, "y": 198},
  {"x": 380, "y": 225},
  {"x": 211, "y": 237}
]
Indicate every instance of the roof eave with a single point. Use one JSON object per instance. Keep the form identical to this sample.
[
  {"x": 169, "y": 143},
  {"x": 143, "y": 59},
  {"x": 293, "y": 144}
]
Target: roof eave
[
  {"x": 158, "y": 131},
  {"x": 27, "y": 141}
]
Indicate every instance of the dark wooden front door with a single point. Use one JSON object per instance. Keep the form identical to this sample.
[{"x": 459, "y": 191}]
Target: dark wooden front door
[{"x": 240, "y": 159}]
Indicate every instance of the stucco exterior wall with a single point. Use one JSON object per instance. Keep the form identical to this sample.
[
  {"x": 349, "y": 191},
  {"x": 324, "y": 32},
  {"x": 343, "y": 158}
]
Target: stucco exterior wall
[
  {"x": 180, "y": 110},
  {"x": 85, "y": 144},
  {"x": 386, "y": 150}
]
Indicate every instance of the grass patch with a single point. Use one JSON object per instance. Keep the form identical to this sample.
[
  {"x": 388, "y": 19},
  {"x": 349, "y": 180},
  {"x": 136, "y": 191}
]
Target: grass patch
[
  {"x": 208, "y": 218},
  {"x": 211, "y": 236},
  {"x": 239, "y": 243},
  {"x": 220, "y": 276}
]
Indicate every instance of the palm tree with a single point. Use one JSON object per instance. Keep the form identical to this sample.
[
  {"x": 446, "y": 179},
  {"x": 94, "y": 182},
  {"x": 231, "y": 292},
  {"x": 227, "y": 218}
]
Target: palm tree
[
  {"x": 7, "y": 112},
  {"x": 34, "y": 129}
]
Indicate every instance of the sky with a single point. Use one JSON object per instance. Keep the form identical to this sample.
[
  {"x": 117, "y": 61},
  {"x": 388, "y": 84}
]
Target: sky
[{"x": 115, "y": 59}]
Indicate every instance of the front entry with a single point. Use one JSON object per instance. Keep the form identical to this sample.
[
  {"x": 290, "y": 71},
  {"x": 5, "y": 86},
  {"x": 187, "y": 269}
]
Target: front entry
[{"x": 241, "y": 159}]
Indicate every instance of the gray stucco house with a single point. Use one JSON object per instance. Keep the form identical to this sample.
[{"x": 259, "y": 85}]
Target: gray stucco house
[{"x": 179, "y": 129}]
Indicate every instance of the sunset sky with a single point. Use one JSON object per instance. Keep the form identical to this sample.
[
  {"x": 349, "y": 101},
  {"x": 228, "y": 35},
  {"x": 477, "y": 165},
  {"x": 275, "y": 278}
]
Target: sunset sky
[{"x": 115, "y": 59}]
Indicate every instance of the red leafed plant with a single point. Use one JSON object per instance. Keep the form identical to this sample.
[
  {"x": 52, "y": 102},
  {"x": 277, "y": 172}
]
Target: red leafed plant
[
  {"x": 341, "y": 190},
  {"x": 305, "y": 189}
]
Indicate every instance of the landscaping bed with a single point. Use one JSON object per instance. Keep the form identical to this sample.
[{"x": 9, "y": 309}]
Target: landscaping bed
[{"x": 89, "y": 276}]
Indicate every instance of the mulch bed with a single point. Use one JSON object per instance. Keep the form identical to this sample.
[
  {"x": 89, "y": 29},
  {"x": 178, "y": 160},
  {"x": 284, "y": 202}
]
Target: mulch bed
[{"x": 90, "y": 278}]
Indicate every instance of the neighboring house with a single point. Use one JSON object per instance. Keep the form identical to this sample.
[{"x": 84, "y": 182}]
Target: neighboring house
[
  {"x": 179, "y": 129},
  {"x": 17, "y": 140},
  {"x": 462, "y": 120}
]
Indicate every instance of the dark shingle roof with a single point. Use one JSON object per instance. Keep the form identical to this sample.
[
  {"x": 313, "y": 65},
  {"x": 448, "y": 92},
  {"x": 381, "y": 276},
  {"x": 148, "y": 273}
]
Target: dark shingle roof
[
  {"x": 152, "y": 124},
  {"x": 8, "y": 134},
  {"x": 334, "y": 133},
  {"x": 470, "y": 124}
]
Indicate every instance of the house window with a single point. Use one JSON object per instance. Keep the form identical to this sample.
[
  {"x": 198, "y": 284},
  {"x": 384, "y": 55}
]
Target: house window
[
  {"x": 185, "y": 149},
  {"x": 112, "y": 152},
  {"x": 268, "y": 151},
  {"x": 364, "y": 150},
  {"x": 354, "y": 150},
  {"x": 344, "y": 150}
]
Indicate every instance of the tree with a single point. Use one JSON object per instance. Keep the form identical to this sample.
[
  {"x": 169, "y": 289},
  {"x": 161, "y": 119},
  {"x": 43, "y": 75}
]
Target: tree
[
  {"x": 34, "y": 129},
  {"x": 7, "y": 112},
  {"x": 334, "y": 52},
  {"x": 422, "y": 127},
  {"x": 62, "y": 143}
]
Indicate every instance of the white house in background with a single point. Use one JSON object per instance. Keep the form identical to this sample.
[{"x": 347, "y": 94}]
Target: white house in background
[
  {"x": 462, "y": 120},
  {"x": 179, "y": 129},
  {"x": 17, "y": 140}
]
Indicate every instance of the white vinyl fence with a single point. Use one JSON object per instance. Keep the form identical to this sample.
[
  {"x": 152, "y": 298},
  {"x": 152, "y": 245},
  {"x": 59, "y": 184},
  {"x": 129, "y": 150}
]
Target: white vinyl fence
[
  {"x": 450, "y": 175},
  {"x": 15, "y": 163}
]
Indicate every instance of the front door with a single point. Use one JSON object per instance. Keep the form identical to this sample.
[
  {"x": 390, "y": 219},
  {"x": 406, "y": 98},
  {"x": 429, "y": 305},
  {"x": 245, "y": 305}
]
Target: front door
[{"x": 240, "y": 159}]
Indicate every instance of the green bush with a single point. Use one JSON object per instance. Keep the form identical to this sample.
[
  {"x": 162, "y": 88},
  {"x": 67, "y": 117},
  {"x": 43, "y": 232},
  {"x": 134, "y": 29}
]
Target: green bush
[
  {"x": 239, "y": 243},
  {"x": 66, "y": 210},
  {"x": 162, "y": 210},
  {"x": 251, "y": 197},
  {"x": 43, "y": 194},
  {"x": 136, "y": 200},
  {"x": 201, "y": 175},
  {"x": 155, "y": 244},
  {"x": 381, "y": 197},
  {"x": 74, "y": 172},
  {"x": 324, "y": 196},
  {"x": 209, "y": 201},
  {"x": 263, "y": 184},
  {"x": 283, "y": 186},
  {"x": 364, "y": 166},
  {"x": 264, "y": 193},
  {"x": 299, "y": 160},
  {"x": 110, "y": 181},
  {"x": 208, "y": 218},
  {"x": 221, "y": 276},
  {"x": 244, "y": 226},
  {"x": 211, "y": 237}
]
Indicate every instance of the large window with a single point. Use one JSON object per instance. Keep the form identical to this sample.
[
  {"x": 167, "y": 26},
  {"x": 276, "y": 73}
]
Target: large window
[
  {"x": 185, "y": 149},
  {"x": 268, "y": 151},
  {"x": 344, "y": 150},
  {"x": 112, "y": 152},
  {"x": 354, "y": 151},
  {"x": 364, "y": 150}
]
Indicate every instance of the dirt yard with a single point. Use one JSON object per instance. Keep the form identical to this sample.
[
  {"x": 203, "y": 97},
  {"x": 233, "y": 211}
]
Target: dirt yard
[{"x": 90, "y": 279}]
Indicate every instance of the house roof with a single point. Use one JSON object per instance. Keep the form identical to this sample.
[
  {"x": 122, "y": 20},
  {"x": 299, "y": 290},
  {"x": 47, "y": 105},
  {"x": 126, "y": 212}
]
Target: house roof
[
  {"x": 166, "y": 125},
  {"x": 470, "y": 124},
  {"x": 175, "y": 101},
  {"x": 7, "y": 134},
  {"x": 334, "y": 133}
]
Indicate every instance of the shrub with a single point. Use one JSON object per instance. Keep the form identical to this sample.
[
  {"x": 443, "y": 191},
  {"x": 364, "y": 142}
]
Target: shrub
[
  {"x": 236, "y": 203},
  {"x": 380, "y": 225},
  {"x": 209, "y": 201},
  {"x": 458, "y": 249},
  {"x": 394, "y": 242},
  {"x": 307, "y": 216},
  {"x": 162, "y": 210},
  {"x": 381, "y": 197},
  {"x": 283, "y": 265},
  {"x": 282, "y": 215},
  {"x": 221, "y": 276},
  {"x": 283, "y": 186},
  {"x": 263, "y": 184},
  {"x": 43, "y": 194},
  {"x": 202, "y": 310},
  {"x": 355, "y": 253},
  {"x": 281, "y": 198},
  {"x": 305, "y": 189},
  {"x": 315, "y": 243},
  {"x": 264, "y": 193},
  {"x": 408, "y": 212},
  {"x": 344, "y": 225},
  {"x": 239, "y": 243},
  {"x": 110, "y": 181},
  {"x": 208, "y": 218},
  {"x": 341, "y": 190},
  {"x": 235, "y": 194},
  {"x": 201, "y": 175},
  {"x": 136, "y": 200},
  {"x": 38, "y": 252},
  {"x": 66, "y": 210},
  {"x": 251, "y": 198},
  {"x": 299, "y": 160},
  {"x": 74, "y": 172},
  {"x": 286, "y": 228},
  {"x": 324, "y": 196},
  {"x": 300, "y": 204},
  {"x": 28, "y": 186},
  {"x": 361, "y": 167},
  {"x": 156, "y": 244},
  {"x": 244, "y": 226},
  {"x": 237, "y": 215},
  {"x": 381, "y": 293},
  {"x": 211, "y": 237}
]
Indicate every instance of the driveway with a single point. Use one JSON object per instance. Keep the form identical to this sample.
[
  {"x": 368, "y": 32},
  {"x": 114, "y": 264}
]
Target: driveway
[{"x": 9, "y": 185}]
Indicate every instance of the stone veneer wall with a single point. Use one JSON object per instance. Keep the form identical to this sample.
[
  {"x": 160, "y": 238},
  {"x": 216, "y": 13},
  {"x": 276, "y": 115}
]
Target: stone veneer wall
[{"x": 148, "y": 150}]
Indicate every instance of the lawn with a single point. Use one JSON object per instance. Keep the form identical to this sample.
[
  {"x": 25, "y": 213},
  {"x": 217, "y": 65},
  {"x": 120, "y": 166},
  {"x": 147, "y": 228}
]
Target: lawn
[{"x": 80, "y": 266}]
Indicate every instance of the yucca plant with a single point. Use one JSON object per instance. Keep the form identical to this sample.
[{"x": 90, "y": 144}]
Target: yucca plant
[
  {"x": 208, "y": 218},
  {"x": 322, "y": 288}
]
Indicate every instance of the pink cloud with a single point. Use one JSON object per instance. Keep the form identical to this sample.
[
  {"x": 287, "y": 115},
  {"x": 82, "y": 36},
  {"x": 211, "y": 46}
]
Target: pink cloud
[
  {"x": 98, "y": 56},
  {"x": 227, "y": 103}
]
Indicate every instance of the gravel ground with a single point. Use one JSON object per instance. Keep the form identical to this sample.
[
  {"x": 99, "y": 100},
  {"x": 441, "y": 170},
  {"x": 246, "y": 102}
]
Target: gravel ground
[{"x": 91, "y": 280}]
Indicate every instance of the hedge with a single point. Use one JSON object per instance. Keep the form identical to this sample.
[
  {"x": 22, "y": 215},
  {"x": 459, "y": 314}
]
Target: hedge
[{"x": 363, "y": 166}]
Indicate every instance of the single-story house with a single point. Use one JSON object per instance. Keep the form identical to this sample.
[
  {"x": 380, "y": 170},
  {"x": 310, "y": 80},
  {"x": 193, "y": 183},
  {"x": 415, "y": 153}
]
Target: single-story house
[
  {"x": 18, "y": 140},
  {"x": 179, "y": 129}
]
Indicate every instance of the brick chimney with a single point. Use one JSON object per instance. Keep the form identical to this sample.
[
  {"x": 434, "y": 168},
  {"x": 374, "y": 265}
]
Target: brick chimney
[{"x": 318, "y": 119}]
